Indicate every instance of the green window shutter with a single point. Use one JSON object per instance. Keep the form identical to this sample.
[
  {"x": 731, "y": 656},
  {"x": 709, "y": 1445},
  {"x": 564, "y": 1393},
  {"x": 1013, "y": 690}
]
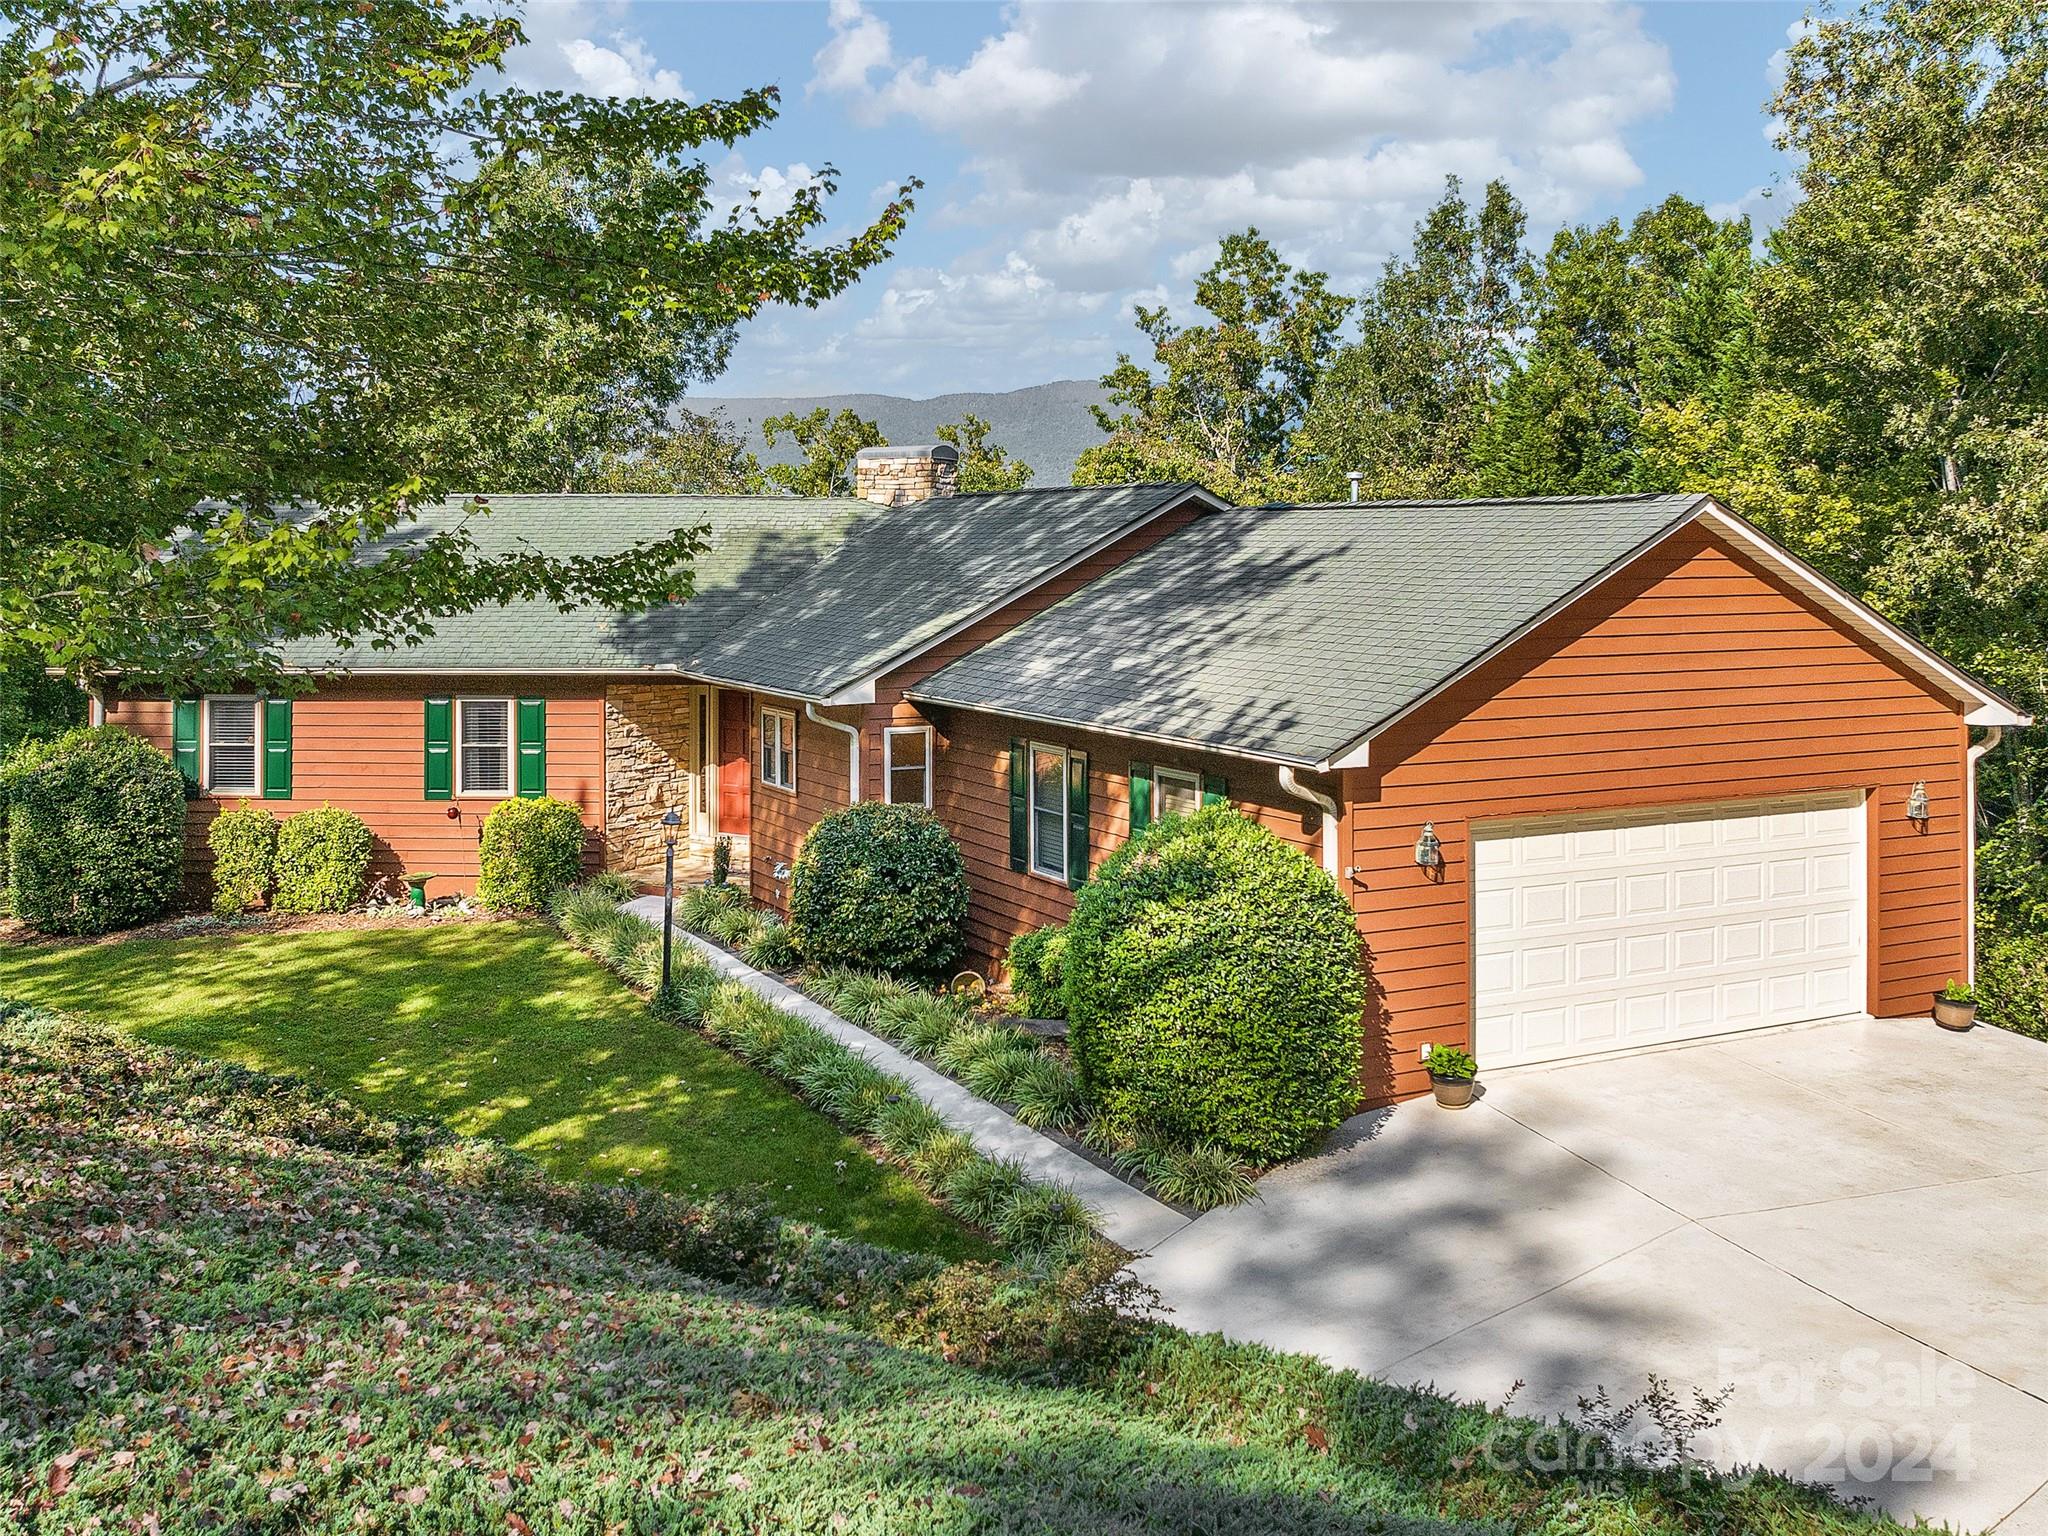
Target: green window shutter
[
  {"x": 1077, "y": 818},
  {"x": 277, "y": 749},
  {"x": 185, "y": 739},
  {"x": 440, "y": 749},
  {"x": 1141, "y": 797},
  {"x": 1214, "y": 790},
  {"x": 533, "y": 747},
  {"x": 1020, "y": 806}
]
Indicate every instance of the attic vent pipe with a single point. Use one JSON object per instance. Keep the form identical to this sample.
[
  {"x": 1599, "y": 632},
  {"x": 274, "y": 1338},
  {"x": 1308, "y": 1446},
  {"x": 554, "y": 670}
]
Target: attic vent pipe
[{"x": 1354, "y": 476}]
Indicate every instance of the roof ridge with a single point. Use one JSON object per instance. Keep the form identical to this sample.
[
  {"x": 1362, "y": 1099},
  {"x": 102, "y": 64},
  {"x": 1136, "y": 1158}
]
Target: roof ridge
[{"x": 1630, "y": 498}]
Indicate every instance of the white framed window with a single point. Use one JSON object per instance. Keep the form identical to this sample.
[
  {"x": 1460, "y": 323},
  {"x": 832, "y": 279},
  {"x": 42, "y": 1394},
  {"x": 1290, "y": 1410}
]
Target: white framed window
[
  {"x": 1048, "y": 811},
  {"x": 778, "y": 749},
  {"x": 1175, "y": 792},
  {"x": 907, "y": 765},
  {"x": 483, "y": 746},
  {"x": 234, "y": 743}
]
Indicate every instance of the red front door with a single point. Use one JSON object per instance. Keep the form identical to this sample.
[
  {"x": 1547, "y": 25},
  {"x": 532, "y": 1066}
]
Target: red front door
[{"x": 735, "y": 761}]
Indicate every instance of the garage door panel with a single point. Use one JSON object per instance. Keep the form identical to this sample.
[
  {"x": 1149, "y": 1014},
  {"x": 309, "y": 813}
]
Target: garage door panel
[{"x": 1640, "y": 928}]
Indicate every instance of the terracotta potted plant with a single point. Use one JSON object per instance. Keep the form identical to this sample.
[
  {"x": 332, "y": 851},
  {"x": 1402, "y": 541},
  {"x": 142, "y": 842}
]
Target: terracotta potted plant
[
  {"x": 1955, "y": 1005},
  {"x": 1451, "y": 1072}
]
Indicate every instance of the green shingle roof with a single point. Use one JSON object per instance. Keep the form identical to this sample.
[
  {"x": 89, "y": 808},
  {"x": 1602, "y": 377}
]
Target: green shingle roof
[
  {"x": 1290, "y": 632},
  {"x": 793, "y": 595}
]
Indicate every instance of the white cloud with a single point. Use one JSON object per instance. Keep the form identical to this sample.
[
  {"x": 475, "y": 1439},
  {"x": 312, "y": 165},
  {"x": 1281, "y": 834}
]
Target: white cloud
[
  {"x": 580, "y": 46},
  {"x": 771, "y": 190},
  {"x": 1007, "y": 304},
  {"x": 1108, "y": 137}
]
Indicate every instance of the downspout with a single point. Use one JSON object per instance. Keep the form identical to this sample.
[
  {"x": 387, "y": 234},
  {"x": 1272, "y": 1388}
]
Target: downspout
[
  {"x": 1993, "y": 735},
  {"x": 1323, "y": 803},
  {"x": 852, "y": 749}
]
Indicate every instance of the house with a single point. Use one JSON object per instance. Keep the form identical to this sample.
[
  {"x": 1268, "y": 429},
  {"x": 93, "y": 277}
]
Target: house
[{"x": 1595, "y": 773}]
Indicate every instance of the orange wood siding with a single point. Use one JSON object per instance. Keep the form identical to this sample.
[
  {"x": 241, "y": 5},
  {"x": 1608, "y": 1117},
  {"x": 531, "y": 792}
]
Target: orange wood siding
[
  {"x": 779, "y": 826},
  {"x": 360, "y": 743},
  {"x": 891, "y": 708},
  {"x": 1690, "y": 678},
  {"x": 780, "y": 818},
  {"x": 971, "y": 795}
]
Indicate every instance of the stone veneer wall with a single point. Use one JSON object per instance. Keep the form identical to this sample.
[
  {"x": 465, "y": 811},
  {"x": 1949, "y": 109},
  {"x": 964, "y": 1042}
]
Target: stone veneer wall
[
  {"x": 648, "y": 733},
  {"x": 899, "y": 482}
]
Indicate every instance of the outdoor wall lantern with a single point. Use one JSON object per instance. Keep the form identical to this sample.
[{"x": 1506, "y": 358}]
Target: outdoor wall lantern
[
  {"x": 1429, "y": 848},
  {"x": 1916, "y": 802}
]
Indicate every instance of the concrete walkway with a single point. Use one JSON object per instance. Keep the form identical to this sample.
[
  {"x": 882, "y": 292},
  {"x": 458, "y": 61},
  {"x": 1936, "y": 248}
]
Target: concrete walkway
[
  {"x": 1846, "y": 1222},
  {"x": 1122, "y": 1214}
]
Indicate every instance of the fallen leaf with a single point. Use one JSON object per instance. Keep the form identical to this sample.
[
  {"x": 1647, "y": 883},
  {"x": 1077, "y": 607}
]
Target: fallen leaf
[{"x": 1316, "y": 1436}]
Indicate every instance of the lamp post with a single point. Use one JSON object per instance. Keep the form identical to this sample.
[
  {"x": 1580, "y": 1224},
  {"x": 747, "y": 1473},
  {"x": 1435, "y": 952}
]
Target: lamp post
[{"x": 669, "y": 823}]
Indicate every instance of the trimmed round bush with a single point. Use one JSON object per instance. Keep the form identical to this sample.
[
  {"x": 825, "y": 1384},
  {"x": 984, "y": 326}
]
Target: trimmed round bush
[
  {"x": 323, "y": 861},
  {"x": 96, "y": 832},
  {"x": 531, "y": 849},
  {"x": 879, "y": 887},
  {"x": 244, "y": 843},
  {"x": 1214, "y": 988}
]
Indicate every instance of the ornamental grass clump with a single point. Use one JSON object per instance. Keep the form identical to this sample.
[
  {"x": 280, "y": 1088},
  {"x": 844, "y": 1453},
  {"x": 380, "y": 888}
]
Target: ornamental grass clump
[
  {"x": 1214, "y": 988},
  {"x": 881, "y": 887},
  {"x": 698, "y": 907},
  {"x": 994, "y": 1074},
  {"x": 771, "y": 948},
  {"x": 939, "y": 1157},
  {"x": 905, "y": 1124},
  {"x": 923, "y": 1022},
  {"x": 862, "y": 996},
  {"x": 1044, "y": 1221},
  {"x": 689, "y": 993},
  {"x": 980, "y": 1188},
  {"x": 1046, "y": 1095},
  {"x": 1204, "y": 1176},
  {"x": 967, "y": 1045}
]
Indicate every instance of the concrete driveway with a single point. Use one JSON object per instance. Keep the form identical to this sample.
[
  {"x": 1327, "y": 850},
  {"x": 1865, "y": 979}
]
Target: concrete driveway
[{"x": 1846, "y": 1222}]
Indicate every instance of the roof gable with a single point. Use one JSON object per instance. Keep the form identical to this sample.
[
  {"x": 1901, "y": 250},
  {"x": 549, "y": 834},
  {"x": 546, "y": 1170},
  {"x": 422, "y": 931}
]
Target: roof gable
[
  {"x": 792, "y": 595},
  {"x": 1298, "y": 633}
]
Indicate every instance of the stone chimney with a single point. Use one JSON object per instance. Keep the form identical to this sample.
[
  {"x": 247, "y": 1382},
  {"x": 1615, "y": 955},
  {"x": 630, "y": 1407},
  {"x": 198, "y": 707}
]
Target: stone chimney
[{"x": 895, "y": 477}]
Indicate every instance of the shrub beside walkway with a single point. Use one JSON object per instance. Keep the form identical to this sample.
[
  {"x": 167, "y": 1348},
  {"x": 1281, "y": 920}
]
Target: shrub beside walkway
[{"x": 1124, "y": 1215}]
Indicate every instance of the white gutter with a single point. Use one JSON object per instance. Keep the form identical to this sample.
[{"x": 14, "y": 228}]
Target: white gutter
[
  {"x": 1324, "y": 803},
  {"x": 852, "y": 749},
  {"x": 1992, "y": 736}
]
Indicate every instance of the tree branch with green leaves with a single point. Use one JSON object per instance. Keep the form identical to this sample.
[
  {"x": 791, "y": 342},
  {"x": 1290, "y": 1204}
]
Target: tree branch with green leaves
[{"x": 275, "y": 274}]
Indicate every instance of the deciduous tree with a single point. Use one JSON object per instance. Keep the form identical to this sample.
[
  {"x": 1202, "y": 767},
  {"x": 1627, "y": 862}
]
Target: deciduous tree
[
  {"x": 1401, "y": 404},
  {"x": 827, "y": 444},
  {"x": 1228, "y": 395},
  {"x": 984, "y": 466},
  {"x": 274, "y": 273}
]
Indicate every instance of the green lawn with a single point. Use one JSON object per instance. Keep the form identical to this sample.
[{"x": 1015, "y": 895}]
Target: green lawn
[
  {"x": 499, "y": 1030},
  {"x": 207, "y": 1330}
]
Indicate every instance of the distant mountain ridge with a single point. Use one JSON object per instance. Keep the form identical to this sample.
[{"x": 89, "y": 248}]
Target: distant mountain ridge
[{"x": 1046, "y": 425}]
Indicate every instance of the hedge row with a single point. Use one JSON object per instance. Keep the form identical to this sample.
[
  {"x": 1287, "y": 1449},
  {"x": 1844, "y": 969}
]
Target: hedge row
[{"x": 1045, "y": 1228}]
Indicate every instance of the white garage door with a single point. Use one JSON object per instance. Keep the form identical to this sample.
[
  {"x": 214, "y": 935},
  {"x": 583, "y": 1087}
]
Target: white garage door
[{"x": 1603, "y": 933}]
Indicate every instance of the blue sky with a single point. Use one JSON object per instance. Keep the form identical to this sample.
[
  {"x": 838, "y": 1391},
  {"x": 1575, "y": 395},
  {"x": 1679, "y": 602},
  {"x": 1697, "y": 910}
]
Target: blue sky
[{"x": 1080, "y": 158}]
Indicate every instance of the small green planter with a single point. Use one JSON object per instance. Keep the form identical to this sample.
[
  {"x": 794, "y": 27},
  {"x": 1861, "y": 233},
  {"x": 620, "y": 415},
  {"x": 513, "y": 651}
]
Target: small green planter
[{"x": 416, "y": 890}]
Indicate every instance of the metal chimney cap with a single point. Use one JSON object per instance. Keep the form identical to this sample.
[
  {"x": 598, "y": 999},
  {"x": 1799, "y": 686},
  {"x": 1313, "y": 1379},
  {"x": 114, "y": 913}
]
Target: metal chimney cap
[{"x": 943, "y": 452}]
